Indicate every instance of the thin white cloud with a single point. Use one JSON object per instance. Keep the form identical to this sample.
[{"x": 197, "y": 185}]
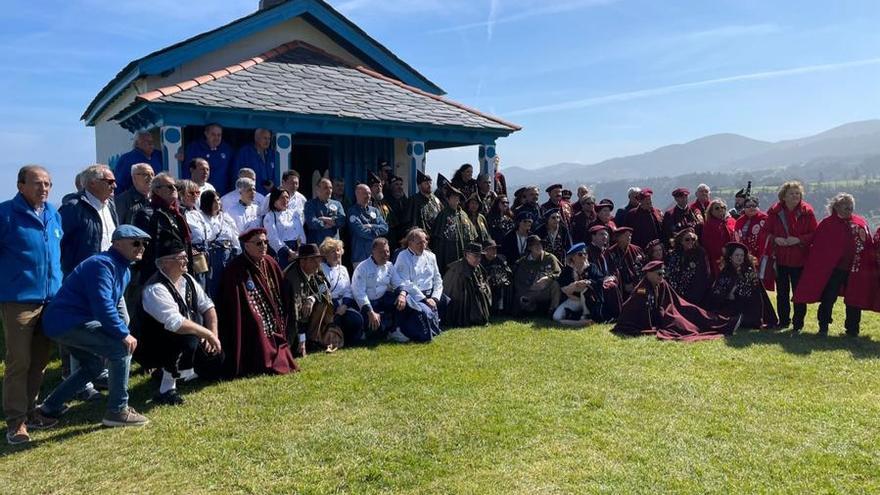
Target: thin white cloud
[
  {"x": 494, "y": 5},
  {"x": 734, "y": 31},
  {"x": 544, "y": 10},
  {"x": 675, "y": 88}
]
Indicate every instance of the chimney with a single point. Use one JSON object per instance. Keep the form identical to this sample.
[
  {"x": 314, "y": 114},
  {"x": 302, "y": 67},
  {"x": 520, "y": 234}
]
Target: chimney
[{"x": 268, "y": 4}]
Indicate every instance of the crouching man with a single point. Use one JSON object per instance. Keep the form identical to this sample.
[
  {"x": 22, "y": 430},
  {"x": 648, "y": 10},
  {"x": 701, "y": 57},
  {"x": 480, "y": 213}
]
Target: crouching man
[{"x": 179, "y": 317}]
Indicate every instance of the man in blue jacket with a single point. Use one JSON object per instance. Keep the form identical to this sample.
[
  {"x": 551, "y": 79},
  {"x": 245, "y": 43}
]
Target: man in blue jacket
[
  {"x": 143, "y": 151},
  {"x": 30, "y": 258},
  {"x": 85, "y": 317},
  {"x": 259, "y": 158},
  {"x": 366, "y": 223},
  {"x": 324, "y": 216},
  {"x": 218, "y": 155}
]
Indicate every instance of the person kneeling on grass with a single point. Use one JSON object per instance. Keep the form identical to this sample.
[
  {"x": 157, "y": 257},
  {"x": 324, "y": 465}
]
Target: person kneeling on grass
[
  {"x": 469, "y": 295},
  {"x": 534, "y": 280},
  {"x": 425, "y": 300},
  {"x": 376, "y": 288},
  {"x": 177, "y": 317},
  {"x": 582, "y": 283},
  {"x": 86, "y": 317}
]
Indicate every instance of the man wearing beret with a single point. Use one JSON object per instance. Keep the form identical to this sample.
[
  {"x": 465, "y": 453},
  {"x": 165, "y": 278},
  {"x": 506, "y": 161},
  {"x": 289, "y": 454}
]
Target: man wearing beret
[
  {"x": 556, "y": 202},
  {"x": 680, "y": 216}
]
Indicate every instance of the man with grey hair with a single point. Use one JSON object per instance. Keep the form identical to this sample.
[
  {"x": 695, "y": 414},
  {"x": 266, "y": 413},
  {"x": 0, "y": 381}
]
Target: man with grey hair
[
  {"x": 704, "y": 197},
  {"x": 143, "y": 151},
  {"x": 633, "y": 195},
  {"x": 231, "y": 198},
  {"x": 245, "y": 212},
  {"x": 136, "y": 198},
  {"x": 260, "y": 158}
]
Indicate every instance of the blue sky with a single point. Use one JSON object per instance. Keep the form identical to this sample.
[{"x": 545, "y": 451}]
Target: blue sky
[{"x": 588, "y": 79}]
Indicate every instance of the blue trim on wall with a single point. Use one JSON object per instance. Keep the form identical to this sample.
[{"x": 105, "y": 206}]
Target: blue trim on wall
[{"x": 330, "y": 22}]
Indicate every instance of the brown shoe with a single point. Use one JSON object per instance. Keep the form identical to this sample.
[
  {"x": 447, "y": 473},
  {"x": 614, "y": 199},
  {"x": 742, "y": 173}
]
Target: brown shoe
[
  {"x": 17, "y": 434},
  {"x": 126, "y": 417},
  {"x": 39, "y": 421}
]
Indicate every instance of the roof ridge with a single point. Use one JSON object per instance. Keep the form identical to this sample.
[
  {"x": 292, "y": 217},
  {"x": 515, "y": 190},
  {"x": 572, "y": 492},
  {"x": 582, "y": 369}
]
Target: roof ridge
[{"x": 292, "y": 45}]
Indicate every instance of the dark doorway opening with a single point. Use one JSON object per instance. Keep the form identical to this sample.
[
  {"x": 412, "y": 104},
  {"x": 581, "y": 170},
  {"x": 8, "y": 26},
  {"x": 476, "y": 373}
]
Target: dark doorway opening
[{"x": 312, "y": 161}]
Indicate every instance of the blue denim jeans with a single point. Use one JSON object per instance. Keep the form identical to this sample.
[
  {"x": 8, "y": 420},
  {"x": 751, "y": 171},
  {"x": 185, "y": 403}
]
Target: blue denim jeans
[{"x": 92, "y": 347}]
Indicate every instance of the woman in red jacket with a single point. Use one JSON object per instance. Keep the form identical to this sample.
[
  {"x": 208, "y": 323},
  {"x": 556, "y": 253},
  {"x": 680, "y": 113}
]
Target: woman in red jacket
[
  {"x": 790, "y": 225},
  {"x": 751, "y": 231},
  {"x": 841, "y": 262},
  {"x": 717, "y": 232}
]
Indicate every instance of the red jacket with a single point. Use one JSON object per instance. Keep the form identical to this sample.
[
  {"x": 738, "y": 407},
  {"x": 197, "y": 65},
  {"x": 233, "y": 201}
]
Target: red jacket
[
  {"x": 801, "y": 224},
  {"x": 716, "y": 234}
]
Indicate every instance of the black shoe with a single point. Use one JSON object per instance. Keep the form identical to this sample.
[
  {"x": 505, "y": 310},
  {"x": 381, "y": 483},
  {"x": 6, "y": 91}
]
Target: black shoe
[
  {"x": 852, "y": 333},
  {"x": 169, "y": 398},
  {"x": 823, "y": 331},
  {"x": 784, "y": 324},
  {"x": 89, "y": 394}
]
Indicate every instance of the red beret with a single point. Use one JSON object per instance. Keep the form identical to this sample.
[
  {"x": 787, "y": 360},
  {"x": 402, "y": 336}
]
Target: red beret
[
  {"x": 597, "y": 228},
  {"x": 681, "y": 191},
  {"x": 652, "y": 266},
  {"x": 646, "y": 192},
  {"x": 247, "y": 234},
  {"x": 621, "y": 230}
]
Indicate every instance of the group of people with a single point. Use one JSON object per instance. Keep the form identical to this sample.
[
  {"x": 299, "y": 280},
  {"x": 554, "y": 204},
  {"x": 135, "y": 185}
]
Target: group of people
[{"x": 194, "y": 284}]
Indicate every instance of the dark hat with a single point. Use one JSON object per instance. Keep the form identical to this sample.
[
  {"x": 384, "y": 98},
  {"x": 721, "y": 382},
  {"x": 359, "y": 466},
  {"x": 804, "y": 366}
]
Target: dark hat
[
  {"x": 489, "y": 244},
  {"x": 577, "y": 248},
  {"x": 474, "y": 197},
  {"x": 474, "y": 248},
  {"x": 421, "y": 177},
  {"x": 730, "y": 246},
  {"x": 652, "y": 266},
  {"x": 532, "y": 239},
  {"x": 685, "y": 231},
  {"x": 519, "y": 192},
  {"x": 605, "y": 203},
  {"x": 247, "y": 234},
  {"x": 450, "y": 189},
  {"x": 308, "y": 251},
  {"x": 681, "y": 191},
  {"x": 442, "y": 181},
  {"x": 566, "y": 193},
  {"x": 655, "y": 242},
  {"x": 522, "y": 216},
  {"x": 395, "y": 178},
  {"x": 552, "y": 187},
  {"x": 373, "y": 179},
  {"x": 599, "y": 228},
  {"x": 740, "y": 194},
  {"x": 621, "y": 230},
  {"x": 129, "y": 232},
  {"x": 170, "y": 246},
  {"x": 550, "y": 212},
  {"x": 384, "y": 164}
]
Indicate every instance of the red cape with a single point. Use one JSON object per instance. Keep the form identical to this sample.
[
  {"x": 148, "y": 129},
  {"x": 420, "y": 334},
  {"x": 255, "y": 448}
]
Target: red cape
[
  {"x": 831, "y": 240},
  {"x": 716, "y": 233},
  {"x": 673, "y": 319}
]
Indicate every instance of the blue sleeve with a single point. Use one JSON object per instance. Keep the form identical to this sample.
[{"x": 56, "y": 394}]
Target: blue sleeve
[
  {"x": 311, "y": 217},
  {"x": 381, "y": 226},
  {"x": 340, "y": 216},
  {"x": 360, "y": 229},
  {"x": 101, "y": 302},
  {"x": 122, "y": 173}
]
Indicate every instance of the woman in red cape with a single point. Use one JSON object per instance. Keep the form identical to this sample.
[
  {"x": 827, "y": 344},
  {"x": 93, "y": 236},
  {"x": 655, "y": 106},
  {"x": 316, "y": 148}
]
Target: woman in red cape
[
  {"x": 841, "y": 262},
  {"x": 738, "y": 291},
  {"x": 750, "y": 230},
  {"x": 253, "y": 312},
  {"x": 717, "y": 232},
  {"x": 655, "y": 308}
]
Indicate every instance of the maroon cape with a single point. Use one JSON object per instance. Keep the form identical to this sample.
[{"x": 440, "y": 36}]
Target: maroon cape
[
  {"x": 665, "y": 314},
  {"x": 749, "y": 299},
  {"x": 646, "y": 225},
  {"x": 247, "y": 347},
  {"x": 834, "y": 237},
  {"x": 716, "y": 234}
]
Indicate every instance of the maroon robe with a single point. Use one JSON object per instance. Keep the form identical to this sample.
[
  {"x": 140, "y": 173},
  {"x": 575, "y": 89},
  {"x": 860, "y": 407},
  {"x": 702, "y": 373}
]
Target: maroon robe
[
  {"x": 833, "y": 240},
  {"x": 662, "y": 312},
  {"x": 580, "y": 226},
  {"x": 646, "y": 225},
  {"x": 676, "y": 219},
  {"x": 749, "y": 298},
  {"x": 626, "y": 265},
  {"x": 248, "y": 348},
  {"x": 564, "y": 208}
]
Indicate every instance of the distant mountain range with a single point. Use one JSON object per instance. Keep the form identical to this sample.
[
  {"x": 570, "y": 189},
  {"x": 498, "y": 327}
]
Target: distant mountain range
[{"x": 725, "y": 153}]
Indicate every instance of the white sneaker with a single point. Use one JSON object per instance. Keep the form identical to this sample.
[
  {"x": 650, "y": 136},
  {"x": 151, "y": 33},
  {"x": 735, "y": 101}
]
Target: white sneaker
[
  {"x": 398, "y": 336},
  {"x": 188, "y": 375}
]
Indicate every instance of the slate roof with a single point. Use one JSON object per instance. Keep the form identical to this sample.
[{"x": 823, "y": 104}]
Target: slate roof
[{"x": 299, "y": 78}]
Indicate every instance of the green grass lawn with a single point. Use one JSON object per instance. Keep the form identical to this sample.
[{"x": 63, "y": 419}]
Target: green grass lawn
[{"x": 518, "y": 407}]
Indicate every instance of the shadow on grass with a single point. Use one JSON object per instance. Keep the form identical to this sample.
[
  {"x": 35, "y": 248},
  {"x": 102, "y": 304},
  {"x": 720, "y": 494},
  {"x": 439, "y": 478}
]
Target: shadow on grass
[{"x": 805, "y": 344}]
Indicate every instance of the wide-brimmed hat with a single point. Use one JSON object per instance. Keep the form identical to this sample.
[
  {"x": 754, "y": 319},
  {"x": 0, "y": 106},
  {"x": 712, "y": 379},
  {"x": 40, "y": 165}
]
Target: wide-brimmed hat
[
  {"x": 474, "y": 248},
  {"x": 308, "y": 251}
]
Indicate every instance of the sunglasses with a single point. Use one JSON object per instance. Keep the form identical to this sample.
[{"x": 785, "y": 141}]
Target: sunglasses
[
  {"x": 259, "y": 243},
  {"x": 139, "y": 243}
]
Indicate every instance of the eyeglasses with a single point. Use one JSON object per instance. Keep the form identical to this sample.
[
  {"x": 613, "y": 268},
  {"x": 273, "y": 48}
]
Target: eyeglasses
[
  {"x": 259, "y": 243},
  {"x": 139, "y": 243}
]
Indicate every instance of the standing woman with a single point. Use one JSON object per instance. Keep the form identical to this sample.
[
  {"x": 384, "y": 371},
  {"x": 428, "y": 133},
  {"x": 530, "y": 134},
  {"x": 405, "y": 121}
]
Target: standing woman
[
  {"x": 840, "y": 262},
  {"x": 347, "y": 315},
  {"x": 473, "y": 207},
  {"x": 500, "y": 219},
  {"x": 750, "y": 229},
  {"x": 284, "y": 227},
  {"x": 790, "y": 225},
  {"x": 717, "y": 232},
  {"x": 554, "y": 234},
  {"x": 464, "y": 181},
  {"x": 738, "y": 291},
  {"x": 214, "y": 233}
]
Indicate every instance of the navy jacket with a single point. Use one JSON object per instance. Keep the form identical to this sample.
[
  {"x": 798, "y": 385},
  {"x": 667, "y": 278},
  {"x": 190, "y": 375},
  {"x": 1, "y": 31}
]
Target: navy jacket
[
  {"x": 30, "y": 252},
  {"x": 122, "y": 169},
  {"x": 82, "y": 231}
]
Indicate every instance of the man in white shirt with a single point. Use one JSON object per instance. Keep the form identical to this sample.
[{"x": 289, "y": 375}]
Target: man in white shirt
[
  {"x": 290, "y": 183},
  {"x": 245, "y": 211},
  {"x": 178, "y": 317},
  {"x": 200, "y": 171},
  {"x": 377, "y": 289},
  {"x": 231, "y": 198},
  {"x": 421, "y": 279}
]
